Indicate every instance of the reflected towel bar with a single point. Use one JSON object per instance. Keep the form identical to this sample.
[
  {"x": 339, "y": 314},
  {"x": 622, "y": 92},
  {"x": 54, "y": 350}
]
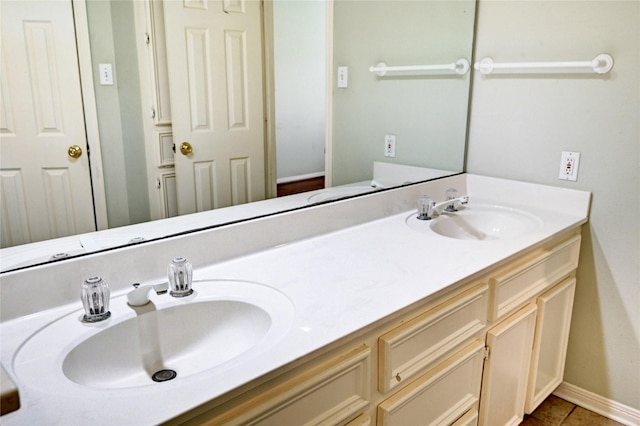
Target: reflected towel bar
[
  {"x": 461, "y": 66},
  {"x": 601, "y": 64}
]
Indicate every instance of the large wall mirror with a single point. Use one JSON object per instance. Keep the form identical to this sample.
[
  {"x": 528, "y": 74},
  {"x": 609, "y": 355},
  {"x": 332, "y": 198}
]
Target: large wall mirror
[{"x": 204, "y": 108}]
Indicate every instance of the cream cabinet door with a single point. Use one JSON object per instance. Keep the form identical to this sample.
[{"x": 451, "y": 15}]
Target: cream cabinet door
[
  {"x": 550, "y": 343},
  {"x": 506, "y": 370},
  {"x": 214, "y": 52},
  {"x": 45, "y": 188}
]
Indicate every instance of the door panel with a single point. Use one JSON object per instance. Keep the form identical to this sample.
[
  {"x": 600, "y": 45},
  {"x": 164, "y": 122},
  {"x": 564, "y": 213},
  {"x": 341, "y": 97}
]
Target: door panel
[
  {"x": 215, "y": 74},
  {"x": 45, "y": 193},
  {"x": 550, "y": 343},
  {"x": 504, "y": 380}
]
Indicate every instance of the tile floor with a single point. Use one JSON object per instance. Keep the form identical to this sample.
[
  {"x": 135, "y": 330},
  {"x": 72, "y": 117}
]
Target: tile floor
[{"x": 555, "y": 411}]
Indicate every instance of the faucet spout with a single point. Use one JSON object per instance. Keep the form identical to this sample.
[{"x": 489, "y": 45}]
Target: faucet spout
[
  {"x": 140, "y": 294},
  {"x": 450, "y": 205},
  {"x": 427, "y": 207}
]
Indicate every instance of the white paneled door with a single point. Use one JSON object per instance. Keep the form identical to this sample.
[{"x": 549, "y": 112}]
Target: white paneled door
[
  {"x": 214, "y": 51},
  {"x": 45, "y": 186}
]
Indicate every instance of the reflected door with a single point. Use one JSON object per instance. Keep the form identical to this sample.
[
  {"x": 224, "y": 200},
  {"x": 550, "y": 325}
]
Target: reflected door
[
  {"x": 45, "y": 187},
  {"x": 214, "y": 51}
]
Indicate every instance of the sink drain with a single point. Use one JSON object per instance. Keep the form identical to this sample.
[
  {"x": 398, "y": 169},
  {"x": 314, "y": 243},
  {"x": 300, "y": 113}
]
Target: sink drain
[{"x": 163, "y": 375}]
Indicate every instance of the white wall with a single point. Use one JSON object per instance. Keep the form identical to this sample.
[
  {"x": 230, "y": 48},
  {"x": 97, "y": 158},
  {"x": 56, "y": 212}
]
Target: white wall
[
  {"x": 519, "y": 126},
  {"x": 300, "y": 75}
]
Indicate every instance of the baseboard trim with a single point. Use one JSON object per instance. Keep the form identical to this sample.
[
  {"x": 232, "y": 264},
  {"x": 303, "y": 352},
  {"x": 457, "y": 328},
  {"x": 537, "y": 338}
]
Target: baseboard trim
[{"x": 598, "y": 404}]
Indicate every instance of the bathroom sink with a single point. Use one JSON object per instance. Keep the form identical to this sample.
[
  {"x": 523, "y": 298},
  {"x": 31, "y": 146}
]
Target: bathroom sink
[
  {"x": 480, "y": 222},
  {"x": 222, "y": 324}
]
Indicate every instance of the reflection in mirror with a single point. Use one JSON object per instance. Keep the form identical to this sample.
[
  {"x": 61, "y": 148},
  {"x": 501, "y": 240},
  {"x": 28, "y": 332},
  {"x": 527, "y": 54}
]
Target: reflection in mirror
[
  {"x": 426, "y": 112},
  {"x": 136, "y": 174}
]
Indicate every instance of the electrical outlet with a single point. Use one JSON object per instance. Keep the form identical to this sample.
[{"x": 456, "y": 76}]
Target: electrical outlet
[
  {"x": 390, "y": 146},
  {"x": 569, "y": 162}
]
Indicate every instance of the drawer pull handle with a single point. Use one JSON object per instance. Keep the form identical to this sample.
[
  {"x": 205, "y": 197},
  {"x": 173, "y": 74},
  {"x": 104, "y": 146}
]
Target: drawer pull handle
[{"x": 398, "y": 378}]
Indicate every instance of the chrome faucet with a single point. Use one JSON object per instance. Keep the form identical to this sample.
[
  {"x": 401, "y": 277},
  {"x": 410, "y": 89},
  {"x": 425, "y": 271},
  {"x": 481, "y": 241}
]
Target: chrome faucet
[
  {"x": 140, "y": 294},
  {"x": 427, "y": 207},
  {"x": 450, "y": 205},
  {"x": 179, "y": 274}
]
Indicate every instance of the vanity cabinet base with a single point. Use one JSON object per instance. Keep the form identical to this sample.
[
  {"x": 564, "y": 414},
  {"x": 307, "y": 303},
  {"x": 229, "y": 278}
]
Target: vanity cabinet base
[{"x": 483, "y": 352}]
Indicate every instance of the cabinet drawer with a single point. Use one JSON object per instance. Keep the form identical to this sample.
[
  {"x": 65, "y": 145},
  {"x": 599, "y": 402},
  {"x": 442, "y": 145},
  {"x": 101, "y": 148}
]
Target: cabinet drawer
[
  {"x": 511, "y": 287},
  {"x": 361, "y": 420},
  {"x": 332, "y": 392},
  {"x": 416, "y": 346},
  {"x": 469, "y": 419},
  {"x": 441, "y": 396}
]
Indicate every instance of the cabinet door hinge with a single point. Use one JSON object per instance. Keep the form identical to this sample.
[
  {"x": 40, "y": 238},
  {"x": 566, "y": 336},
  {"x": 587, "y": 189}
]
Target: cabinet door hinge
[{"x": 487, "y": 350}]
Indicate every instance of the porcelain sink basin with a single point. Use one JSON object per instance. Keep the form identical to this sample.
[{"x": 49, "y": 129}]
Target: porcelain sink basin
[
  {"x": 480, "y": 222},
  {"x": 223, "y": 323}
]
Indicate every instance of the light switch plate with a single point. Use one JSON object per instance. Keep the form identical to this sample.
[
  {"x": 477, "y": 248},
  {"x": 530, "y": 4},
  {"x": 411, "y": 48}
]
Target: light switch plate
[
  {"x": 106, "y": 74},
  {"x": 343, "y": 77}
]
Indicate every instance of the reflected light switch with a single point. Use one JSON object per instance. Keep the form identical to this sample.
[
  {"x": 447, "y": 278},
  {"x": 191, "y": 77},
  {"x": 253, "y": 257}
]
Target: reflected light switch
[
  {"x": 343, "y": 77},
  {"x": 106, "y": 74}
]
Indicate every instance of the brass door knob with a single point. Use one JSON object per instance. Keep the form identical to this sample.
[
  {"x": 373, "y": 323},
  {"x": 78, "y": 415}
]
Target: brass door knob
[
  {"x": 186, "y": 148},
  {"x": 74, "y": 151}
]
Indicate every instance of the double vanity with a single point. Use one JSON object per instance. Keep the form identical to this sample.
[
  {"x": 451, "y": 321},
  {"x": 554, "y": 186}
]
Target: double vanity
[{"x": 354, "y": 312}]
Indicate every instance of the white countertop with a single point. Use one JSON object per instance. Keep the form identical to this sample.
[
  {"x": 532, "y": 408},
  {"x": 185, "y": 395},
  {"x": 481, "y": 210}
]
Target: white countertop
[
  {"x": 339, "y": 282},
  {"x": 36, "y": 253}
]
